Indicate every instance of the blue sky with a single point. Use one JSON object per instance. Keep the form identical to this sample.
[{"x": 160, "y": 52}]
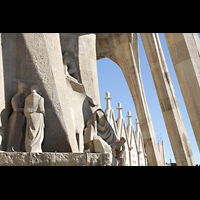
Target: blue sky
[{"x": 111, "y": 79}]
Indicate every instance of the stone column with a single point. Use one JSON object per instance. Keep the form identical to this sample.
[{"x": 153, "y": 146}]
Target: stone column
[
  {"x": 184, "y": 49},
  {"x": 88, "y": 65},
  {"x": 131, "y": 71},
  {"x": 167, "y": 98}
]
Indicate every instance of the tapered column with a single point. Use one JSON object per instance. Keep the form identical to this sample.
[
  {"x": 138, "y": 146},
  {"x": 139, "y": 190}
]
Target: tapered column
[
  {"x": 88, "y": 66},
  {"x": 184, "y": 49},
  {"x": 167, "y": 98}
]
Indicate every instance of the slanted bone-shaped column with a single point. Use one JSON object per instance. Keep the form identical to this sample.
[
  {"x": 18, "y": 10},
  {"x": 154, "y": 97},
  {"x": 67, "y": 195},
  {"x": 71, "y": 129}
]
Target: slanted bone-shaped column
[
  {"x": 184, "y": 49},
  {"x": 167, "y": 98}
]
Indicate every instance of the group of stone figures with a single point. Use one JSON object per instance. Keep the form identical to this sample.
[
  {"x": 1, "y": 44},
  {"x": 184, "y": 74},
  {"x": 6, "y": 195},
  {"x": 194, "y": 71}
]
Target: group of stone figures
[
  {"x": 27, "y": 119},
  {"x": 28, "y": 116},
  {"x": 29, "y": 109}
]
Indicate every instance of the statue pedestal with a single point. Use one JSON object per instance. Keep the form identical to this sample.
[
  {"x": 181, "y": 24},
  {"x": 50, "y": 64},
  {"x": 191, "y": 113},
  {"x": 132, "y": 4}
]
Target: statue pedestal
[{"x": 56, "y": 159}]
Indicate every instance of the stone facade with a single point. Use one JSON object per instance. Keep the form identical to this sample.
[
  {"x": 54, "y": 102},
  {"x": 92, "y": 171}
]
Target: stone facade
[{"x": 63, "y": 66}]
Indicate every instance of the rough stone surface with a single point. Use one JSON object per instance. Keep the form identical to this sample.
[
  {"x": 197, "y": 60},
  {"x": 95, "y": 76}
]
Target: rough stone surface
[
  {"x": 56, "y": 159},
  {"x": 36, "y": 58},
  {"x": 184, "y": 50}
]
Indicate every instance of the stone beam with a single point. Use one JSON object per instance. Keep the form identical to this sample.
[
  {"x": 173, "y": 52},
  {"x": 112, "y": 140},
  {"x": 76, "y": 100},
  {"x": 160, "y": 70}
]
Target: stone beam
[
  {"x": 121, "y": 52},
  {"x": 184, "y": 49},
  {"x": 167, "y": 98}
]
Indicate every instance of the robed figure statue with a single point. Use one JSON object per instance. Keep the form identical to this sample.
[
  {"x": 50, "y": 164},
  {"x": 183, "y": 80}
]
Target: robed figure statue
[
  {"x": 34, "y": 113},
  {"x": 17, "y": 120}
]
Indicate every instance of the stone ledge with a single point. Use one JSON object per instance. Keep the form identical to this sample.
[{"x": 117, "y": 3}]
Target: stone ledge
[{"x": 56, "y": 159}]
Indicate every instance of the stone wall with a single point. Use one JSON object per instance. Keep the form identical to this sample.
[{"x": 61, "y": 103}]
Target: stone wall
[
  {"x": 36, "y": 58},
  {"x": 56, "y": 159}
]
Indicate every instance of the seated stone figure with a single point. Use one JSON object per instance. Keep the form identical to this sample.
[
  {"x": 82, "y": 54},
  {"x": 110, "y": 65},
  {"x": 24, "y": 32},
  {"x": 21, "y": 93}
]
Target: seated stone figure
[
  {"x": 34, "y": 113},
  {"x": 99, "y": 137},
  {"x": 16, "y": 120}
]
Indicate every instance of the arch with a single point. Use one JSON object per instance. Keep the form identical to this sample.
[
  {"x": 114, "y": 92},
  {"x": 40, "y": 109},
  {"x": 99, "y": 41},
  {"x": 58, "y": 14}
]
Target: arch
[
  {"x": 117, "y": 85},
  {"x": 122, "y": 49}
]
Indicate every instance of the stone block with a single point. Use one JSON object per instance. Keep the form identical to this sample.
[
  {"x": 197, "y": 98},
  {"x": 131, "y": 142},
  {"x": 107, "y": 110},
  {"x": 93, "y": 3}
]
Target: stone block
[
  {"x": 70, "y": 159},
  {"x": 34, "y": 159},
  {"x": 6, "y": 159},
  {"x": 100, "y": 146},
  {"x": 99, "y": 159},
  {"x": 20, "y": 159}
]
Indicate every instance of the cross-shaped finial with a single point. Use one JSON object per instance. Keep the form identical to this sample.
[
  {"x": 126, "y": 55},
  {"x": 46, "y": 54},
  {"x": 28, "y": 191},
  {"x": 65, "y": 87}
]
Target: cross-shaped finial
[
  {"x": 129, "y": 118},
  {"x": 137, "y": 124},
  {"x": 119, "y": 110},
  {"x": 108, "y": 98}
]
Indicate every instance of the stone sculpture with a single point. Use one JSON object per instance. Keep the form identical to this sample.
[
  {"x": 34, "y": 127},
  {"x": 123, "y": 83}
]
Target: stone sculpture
[
  {"x": 72, "y": 97},
  {"x": 99, "y": 137},
  {"x": 34, "y": 113},
  {"x": 16, "y": 120},
  {"x": 71, "y": 71}
]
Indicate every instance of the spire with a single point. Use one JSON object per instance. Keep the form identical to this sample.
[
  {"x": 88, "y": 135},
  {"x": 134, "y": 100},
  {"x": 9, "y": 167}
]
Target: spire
[
  {"x": 129, "y": 118},
  {"x": 137, "y": 124},
  {"x": 119, "y": 111},
  {"x": 130, "y": 130},
  {"x": 108, "y": 98}
]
